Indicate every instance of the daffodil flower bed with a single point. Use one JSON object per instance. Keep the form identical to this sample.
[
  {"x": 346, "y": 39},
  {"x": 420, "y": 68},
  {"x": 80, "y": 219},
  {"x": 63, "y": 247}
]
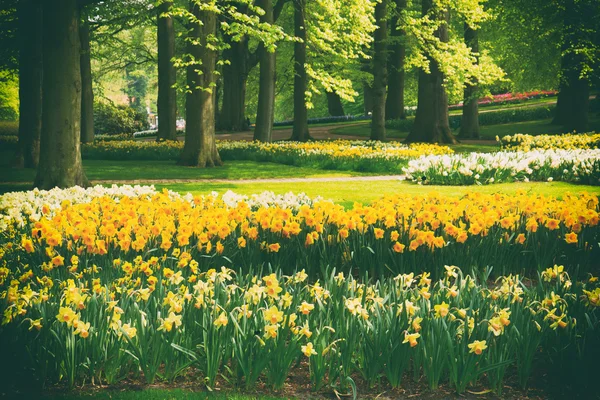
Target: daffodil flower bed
[
  {"x": 397, "y": 234},
  {"x": 582, "y": 166},
  {"x": 522, "y": 142},
  {"x": 340, "y": 154},
  {"x": 79, "y": 319}
]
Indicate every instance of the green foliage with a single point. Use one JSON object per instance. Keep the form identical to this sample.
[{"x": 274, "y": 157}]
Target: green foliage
[
  {"x": 9, "y": 128},
  {"x": 112, "y": 120},
  {"x": 9, "y": 97}
]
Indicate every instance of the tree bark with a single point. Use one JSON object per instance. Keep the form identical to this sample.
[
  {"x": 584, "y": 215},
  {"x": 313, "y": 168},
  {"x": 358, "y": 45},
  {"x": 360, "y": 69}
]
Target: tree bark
[
  {"x": 87, "y": 94},
  {"x": 300, "y": 130},
  {"x": 265, "y": 113},
  {"x": 469, "y": 124},
  {"x": 379, "y": 72},
  {"x": 334, "y": 104},
  {"x": 235, "y": 76},
  {"x": 167, "y": 75},
  {"x": 30, "y": 83},
  {"x": 367, "y": 98},
  {"x": 394, "y": 105},
  {"x": 431, "y": 120},
  {"x": 200, "y": 147},
  {"x": 60, "y": 155}
]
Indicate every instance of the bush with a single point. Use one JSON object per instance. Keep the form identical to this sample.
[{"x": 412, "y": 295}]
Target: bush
[
  {"x": 489, "y": 118},
  {"x": 9, "y": 128},
  {"x": 326, "y": 120},
  {"x": 113, "y": 120}
]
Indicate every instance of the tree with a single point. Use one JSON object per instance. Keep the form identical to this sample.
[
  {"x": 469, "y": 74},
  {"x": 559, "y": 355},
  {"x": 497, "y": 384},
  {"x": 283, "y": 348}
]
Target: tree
[
  {"x": 379, "y": 72},
  {"x": 300, "y": 130},
  {"x": 334, "y": 104},
  {"x": 167, "y": 78},
  {"x": 87, "y": 94},
  {"x": 30, "y": 82},
  {"x": 200, "y": 148},
  {"x": 469, "y": 124},
  {"x": 394, "y": 105},
  {"x": 60, "y": 157},
  {"x": 431, "y": 120}
]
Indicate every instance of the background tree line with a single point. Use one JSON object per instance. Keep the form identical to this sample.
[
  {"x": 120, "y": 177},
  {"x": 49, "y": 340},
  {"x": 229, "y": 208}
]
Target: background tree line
[{"x": 218, "y": 63}]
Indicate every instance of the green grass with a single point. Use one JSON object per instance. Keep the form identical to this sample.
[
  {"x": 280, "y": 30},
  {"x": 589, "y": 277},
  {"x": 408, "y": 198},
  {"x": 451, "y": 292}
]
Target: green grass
[
  {"x": 140, "y": 170},
  {"x": 155, "y": 394},
  {"x": 525, "y": 103},
  {"x": 347, "y": 193}
]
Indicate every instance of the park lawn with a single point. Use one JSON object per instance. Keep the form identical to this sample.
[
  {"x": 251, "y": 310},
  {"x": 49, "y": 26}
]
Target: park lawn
[
  {"x": 148, "y": 170},
  {"x": 347, "y": 193}
]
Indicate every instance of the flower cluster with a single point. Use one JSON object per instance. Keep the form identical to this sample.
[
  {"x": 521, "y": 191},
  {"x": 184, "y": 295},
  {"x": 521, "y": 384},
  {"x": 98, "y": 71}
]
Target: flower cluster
[
  {"x": 578, "y": 165},
  {"x": 339, "y": 154},
  {"x": 522, "y": 142}
]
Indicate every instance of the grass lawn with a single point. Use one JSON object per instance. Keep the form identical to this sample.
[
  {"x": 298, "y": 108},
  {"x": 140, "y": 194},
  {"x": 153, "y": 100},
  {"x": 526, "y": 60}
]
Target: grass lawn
[
  {"x": 347, "y": 193},
  {"x": 488, "y": 132},
  {"x": 140, "y": 170}
]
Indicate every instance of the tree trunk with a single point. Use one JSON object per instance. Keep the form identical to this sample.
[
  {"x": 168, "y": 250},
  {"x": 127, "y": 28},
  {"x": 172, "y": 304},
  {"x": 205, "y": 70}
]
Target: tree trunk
[
  {"x": 167, "y": 77},
  {"x": 265, "y": 113},
  {"x": 394, "y": 105},
  {"x": 469, "y": 124},
  {"x": 87, "y": 94},
  {"x": 60, "y": 155},
  {"x": 334, "y": 104},
  {"x": 379, "y": 72},
  {"x": 300, "y": 130},
  {"x": 235, "y": 75},
  {"x": 431, "y": 121},
  {"x": 30, "y": 83},
  {"x": 200, "y": 147},
  {"x": 367, "y": 98}
]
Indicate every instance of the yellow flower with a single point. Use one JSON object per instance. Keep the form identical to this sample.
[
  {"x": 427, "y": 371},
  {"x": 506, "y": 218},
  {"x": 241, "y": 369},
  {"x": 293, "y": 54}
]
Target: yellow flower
[
  {"x": 172, "y": 320},
  {"x": 441, "y": 310},
  {"x": 66, "y": 315},
  {"x": 308, "y": 350},
  {"x": 271, "y": 331},
  {"x": 58, "y": 261},
  {"x": 221, "y": 320},
  {"x": 477, "y": 346},
  {"x": 411, "y": 338},
  {"x": 273, "y": 315},
  {"x": 571, "y": 238},
  {"x": 305, "y": 308}
]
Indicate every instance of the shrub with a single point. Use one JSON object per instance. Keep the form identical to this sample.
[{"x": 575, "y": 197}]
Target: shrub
[
  {"x": 9, "y": 128},
  {"x": 113, "y": 120}
]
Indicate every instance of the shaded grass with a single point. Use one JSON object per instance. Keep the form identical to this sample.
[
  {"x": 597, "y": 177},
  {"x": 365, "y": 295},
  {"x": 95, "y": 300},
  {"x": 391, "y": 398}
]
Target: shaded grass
[
  {"x": 488, "y": 132},
  {"x": 140, "y": 170}
]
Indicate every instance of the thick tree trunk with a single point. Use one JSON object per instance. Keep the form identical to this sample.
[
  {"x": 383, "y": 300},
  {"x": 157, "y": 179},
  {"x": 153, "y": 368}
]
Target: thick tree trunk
[
  {"x": 235, "y": 76},
  {"x": 572, "y": 105},
  {"x": 379, "y": 72},
  {"x": 60, "y": 155},
  {"x": 87, "y": 94},
  {"x": 334, "y": 104},
  {"x": 30, "y": 83},
  {"x": 265, "y": 113},
  {"x": 469, "y": 124},
  {"x": 200, "y": 148},
  {"x": 431, "y": 121},
  {"x": 300, "y": 130},
  {"x": 394, "y": 105},
  {"x": 167, "y": 94}
]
